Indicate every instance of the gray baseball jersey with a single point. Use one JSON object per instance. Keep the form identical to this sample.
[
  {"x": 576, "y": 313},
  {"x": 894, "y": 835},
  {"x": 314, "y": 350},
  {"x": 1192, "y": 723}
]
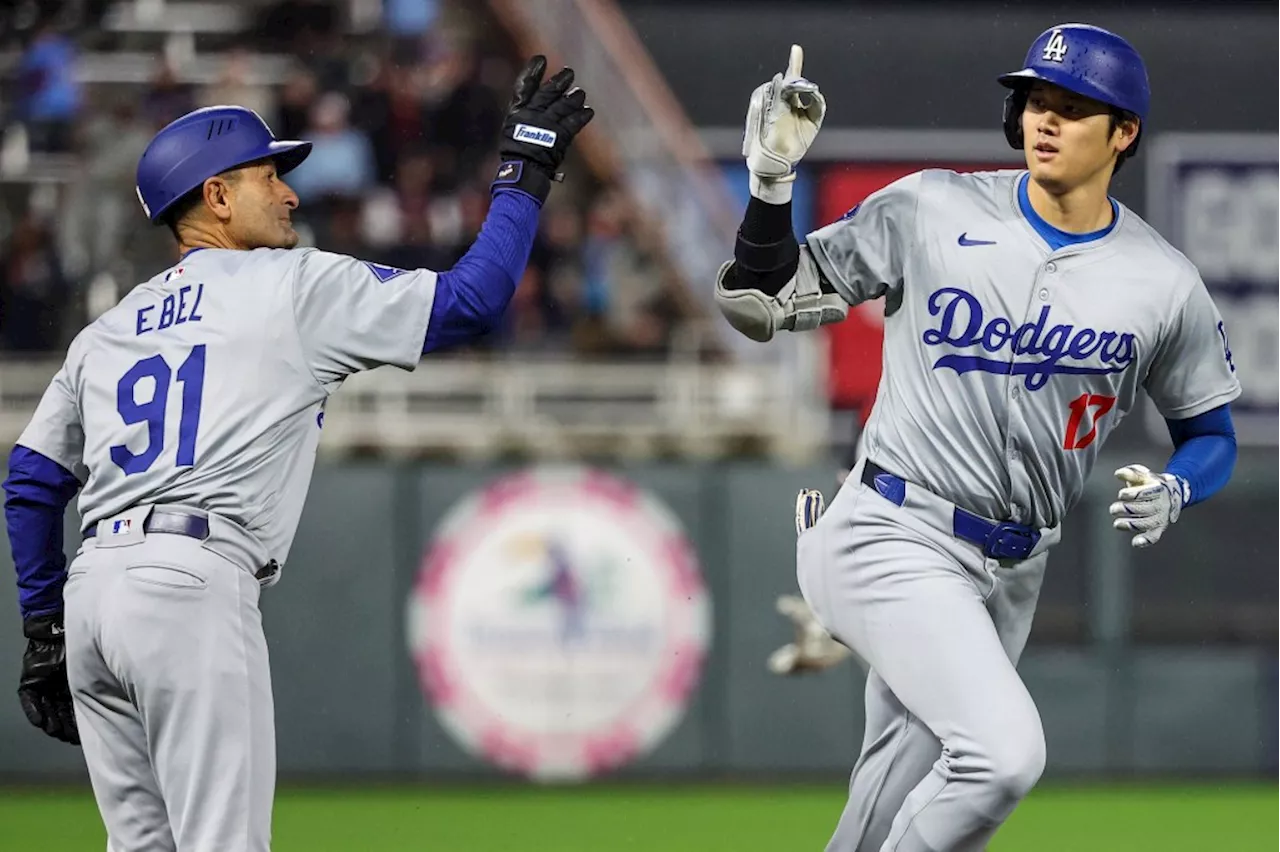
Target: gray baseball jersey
[
  {"x": 206, "y": 385},
  {"x": 1006, "y": 364}
]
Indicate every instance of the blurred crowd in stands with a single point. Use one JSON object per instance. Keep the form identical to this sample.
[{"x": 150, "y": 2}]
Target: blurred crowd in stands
[{"x": 404, "y": 117}]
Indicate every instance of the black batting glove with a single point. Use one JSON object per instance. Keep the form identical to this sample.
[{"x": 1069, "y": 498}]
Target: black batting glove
[
  {"x": 42, "y": 689},
  {"x": 542, "y": 120}
]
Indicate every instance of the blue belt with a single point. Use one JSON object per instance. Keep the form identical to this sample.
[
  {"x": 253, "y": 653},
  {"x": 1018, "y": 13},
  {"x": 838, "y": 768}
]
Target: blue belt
[
  {"x": 1002, "y": 540},
  {"x": 169, "y": 521}
]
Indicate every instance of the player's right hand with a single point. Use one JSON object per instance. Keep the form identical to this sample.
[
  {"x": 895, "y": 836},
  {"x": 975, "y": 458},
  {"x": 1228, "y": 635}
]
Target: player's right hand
[
  {"x": 783, "y": 119},
  {"x": 813, "y": 649},
  {"x": 542, "y": 120},
  {"x": 43, "y": 690},
  {"x": 809, "y": 506}
]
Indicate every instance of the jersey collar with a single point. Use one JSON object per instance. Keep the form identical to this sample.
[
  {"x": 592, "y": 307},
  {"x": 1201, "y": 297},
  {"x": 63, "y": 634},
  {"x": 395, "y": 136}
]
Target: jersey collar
[{"x": 1055, "y": 238}]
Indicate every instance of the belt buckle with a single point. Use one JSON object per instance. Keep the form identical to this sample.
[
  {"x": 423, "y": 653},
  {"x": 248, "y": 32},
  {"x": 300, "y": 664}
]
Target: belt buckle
[{"x": 1010, "y": 541}]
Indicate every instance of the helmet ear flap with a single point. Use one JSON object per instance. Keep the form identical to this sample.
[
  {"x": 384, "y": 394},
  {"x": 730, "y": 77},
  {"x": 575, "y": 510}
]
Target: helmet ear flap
[{"x": 1014, "y": 103}]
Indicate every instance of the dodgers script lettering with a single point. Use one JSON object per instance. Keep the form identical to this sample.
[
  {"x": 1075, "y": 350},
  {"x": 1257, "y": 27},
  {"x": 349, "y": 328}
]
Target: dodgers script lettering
[{"x": 963, "y": 324}]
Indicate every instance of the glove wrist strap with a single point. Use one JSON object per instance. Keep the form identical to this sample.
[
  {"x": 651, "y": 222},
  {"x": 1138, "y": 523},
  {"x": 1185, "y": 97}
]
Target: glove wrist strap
[
  {"x": 43, "y": 628},
  {"x": 769, "y": 190},
  {"x": 522, "y": 175}
]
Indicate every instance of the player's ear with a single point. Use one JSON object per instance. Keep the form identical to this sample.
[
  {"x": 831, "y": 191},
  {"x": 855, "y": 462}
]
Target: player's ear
[{"x": 1124, "y": 131}]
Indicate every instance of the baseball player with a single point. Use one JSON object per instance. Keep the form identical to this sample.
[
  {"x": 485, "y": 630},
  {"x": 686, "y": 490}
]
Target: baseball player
[
  {"x": 188, "y": 418},
  {"x": 1024, "y": 310}
]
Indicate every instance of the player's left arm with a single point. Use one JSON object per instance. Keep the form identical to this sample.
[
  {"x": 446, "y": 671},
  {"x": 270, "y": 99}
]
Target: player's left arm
[
  {"x": 1192, "y": 381},
  {"x": 45, "y": 471},
  {"x": 1204, "y": 452}
]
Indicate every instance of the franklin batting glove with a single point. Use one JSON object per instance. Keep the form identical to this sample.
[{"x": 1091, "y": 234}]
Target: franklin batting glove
[
  {"x": 42, "y": 688},
  {"x": 542, "y": 120}
]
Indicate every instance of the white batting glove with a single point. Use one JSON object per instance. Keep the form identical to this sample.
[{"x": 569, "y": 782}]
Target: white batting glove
[
  {"x": 813, "y": 649},
  {"x": 808, "y": 509},
  {"x": 1149, "y": 504},
  {"x": 783, "y": 119}
]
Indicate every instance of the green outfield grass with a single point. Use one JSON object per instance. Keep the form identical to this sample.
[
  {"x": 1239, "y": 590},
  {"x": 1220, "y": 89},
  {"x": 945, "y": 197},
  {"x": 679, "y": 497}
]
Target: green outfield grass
[{"x": 1221, "y": 818}]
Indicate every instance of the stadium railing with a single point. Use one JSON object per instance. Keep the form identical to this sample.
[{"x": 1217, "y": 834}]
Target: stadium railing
[{"x": 479, "y": 409}]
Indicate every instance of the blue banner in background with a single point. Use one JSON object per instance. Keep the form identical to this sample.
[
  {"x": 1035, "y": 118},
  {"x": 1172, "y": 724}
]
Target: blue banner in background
[{"x": 802, "y": 199}]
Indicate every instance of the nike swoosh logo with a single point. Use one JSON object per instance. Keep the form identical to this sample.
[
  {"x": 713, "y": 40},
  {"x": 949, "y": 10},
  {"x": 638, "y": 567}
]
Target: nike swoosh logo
[{"x": 965, "y": 241}]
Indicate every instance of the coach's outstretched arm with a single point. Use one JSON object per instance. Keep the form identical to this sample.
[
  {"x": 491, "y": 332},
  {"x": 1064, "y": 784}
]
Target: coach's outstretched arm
[
  {"x": 542, "y": 120},
  {"x": 352, "y": 315}
]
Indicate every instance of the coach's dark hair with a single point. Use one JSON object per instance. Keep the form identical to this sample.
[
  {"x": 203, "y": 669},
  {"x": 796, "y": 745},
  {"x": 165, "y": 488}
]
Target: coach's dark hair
[
  {"x": 181, "y": 208},
  {"x": 191, "y": 201}
]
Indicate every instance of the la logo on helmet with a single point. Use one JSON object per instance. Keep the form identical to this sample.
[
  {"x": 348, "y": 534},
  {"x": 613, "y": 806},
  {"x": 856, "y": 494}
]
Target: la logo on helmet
[{"x": 1056, "y": 49}]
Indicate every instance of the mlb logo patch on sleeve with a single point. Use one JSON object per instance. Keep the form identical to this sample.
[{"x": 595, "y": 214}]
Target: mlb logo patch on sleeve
[{"x": 382, "y": 272}]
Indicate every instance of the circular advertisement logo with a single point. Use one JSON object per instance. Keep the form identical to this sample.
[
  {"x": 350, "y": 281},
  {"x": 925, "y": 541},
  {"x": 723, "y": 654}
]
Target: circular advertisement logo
[{"x": 559, "y": 622}]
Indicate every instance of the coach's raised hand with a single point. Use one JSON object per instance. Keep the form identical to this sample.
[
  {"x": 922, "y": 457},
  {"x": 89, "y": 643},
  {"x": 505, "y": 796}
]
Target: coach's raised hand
[
  {"x": 783, "y": 119},
  {"x": 542, "y": 120}
]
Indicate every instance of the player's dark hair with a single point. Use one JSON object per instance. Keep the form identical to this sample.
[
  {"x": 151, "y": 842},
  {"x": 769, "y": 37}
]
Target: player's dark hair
[{"x": 1118, "y": 117}]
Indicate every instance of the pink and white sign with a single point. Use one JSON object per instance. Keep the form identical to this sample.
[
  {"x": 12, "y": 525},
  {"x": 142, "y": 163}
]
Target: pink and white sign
[{"x": 559, "y": 622}]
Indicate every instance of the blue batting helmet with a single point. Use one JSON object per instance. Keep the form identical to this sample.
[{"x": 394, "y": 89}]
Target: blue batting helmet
[
  {"x": 204, "y": 143},
  {"x": 1084, "y": 59}
]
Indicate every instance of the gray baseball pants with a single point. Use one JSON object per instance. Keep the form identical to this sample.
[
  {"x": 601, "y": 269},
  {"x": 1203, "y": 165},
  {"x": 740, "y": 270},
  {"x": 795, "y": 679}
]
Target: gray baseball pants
[
  {"x": 167, "y": 663},
  {"x": 953, "y": 740}
]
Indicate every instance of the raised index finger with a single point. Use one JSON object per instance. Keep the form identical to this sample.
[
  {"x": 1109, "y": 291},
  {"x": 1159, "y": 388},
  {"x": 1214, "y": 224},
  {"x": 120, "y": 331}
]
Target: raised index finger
[{"x": 796, "y": 61}]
